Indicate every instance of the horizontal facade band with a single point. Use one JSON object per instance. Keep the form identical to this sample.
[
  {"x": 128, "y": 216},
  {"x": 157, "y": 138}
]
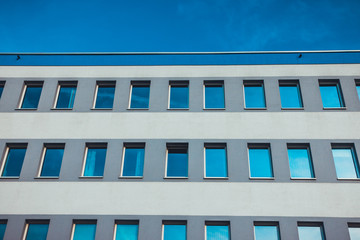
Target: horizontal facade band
[
  {"x": 185, "y": 125},
  {"x": 195, "y": 199}
]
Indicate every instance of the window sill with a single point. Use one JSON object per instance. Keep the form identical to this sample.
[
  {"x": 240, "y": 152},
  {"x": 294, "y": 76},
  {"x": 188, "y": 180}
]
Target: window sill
[
  {"x": 255, "y": 108},
  {"x": 214, "y": 108},
  {"x": 104, "y": 109},
  {"x": 311, "y": 179},
  {"x": 261, "y": 178},
  {"x": 91, "y": 177},
  {"x": 216, "y": 178},
  {"x": 9, "y": 177},
  {"x": 348, "y": 179},
  {"x": 176, "y": 178},
  {"x": 62, "y": 109},
  {"x": 26, "y": 109},
  {"x": 137, "y": 109},
  {"x": 130, "y": 177},
  {"x": 335, "y": 108},
  {"x": 46, "y": 177},
  {"x": 300, "y": 108},
  {"x": 179, "y": 109}
]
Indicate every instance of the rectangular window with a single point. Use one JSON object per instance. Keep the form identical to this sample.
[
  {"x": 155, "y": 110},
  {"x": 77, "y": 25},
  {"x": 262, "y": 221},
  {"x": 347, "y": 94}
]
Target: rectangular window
[
  {"x": 13, "y": 160},
  {"x": 31, "y": 95},
  {"x": 2, "y": 228},
  {"x": 36, "y": 229},
  {"x": 331, "y": 94},
  {"x": 346, "y": 162},
  {"x": 354, "y": 231},
  {"x": 217, "y": 230},
  {"x": 177, "y": 160},
  {"x": 311, "y": 231},
  {"x": 2, "y": 85},
  {"x": 174, "y": 230},
  {"x": 300, "y": 161},
  {"x": 215, "y": 160},
  {"x": 65, "y": 95},
  {"x": 104, "y": 95},
  {"x": 95, "y": 155},
  {"x": 266, "y": 231},
  {"x": 83, "y": 230},
  {"x": 254, "y": 94},
  {"x": 133, "y": 159},
  {"x": 139, "y": 94},
  {"x": 260, "y": 161},
  {"x": 179, "y": 95},
  {"x": 51, "y": 160},
  {"x": 290, "y": 94},
  {"x": 214, "y": 95},
  {"x": 126, "y": 230}
]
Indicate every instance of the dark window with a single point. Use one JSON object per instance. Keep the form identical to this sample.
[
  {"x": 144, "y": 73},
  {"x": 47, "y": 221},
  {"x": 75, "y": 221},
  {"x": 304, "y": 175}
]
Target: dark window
[
  {"x": 51, "y": 164},
  {"x": 105, "y": 94},
  {"x": 66, "y": 95},
  {"x": 31, "y": 97},
  {"x": 140, "y": 93},
  {"x": 14, "y": 159}
]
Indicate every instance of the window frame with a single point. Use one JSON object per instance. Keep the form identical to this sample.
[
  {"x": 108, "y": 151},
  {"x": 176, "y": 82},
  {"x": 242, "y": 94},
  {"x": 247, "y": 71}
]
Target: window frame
[
  {"x": 213, "y": 83},
  {"x": 254, "y": 83},
  {"x": 260, "y": 146},
  {"x": 216, "y": 146},
  {"x": 301, "y": 146},
  {"x": 4, "y": 221},
  {"x": 2, "y": 84},
  {"x": 141, "y": 83},
  {"x": 217, "y": 223},
  {"x": 312, "y": 224},
  {"x": 357, "y": 84},
  {"x": 131, "y": 145},
  {"x": 353, "y": 225},
  {"x": 58, "y": 88},
  {"x": 42, "y": 158},
  {"x": 126, "y": 222},
  {"x": 336, "y": 83},
  {"x": 95, "y": 145},
  {"x": 34, "y": 221},
  {"x": 178, "y": 83},
  {"x": 355, "y": 159},
  {"x": 23, "y": 92},
  {"x": 82, "y": 221},
  {"x": 173, "y": 222},
  {"x": 103, "y": 84},
  {"x": 267, "y": 223},
  {"x": 9, "y": 146},
  {"x": 176, "y": 146},
  {"x": 291, "y": 83}
]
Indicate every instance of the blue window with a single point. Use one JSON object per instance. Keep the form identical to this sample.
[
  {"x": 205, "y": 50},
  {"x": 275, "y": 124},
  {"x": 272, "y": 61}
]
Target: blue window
[
  {"x": 66, "y": 95},
  {"x": 217, "y": 232},
  {"x": 140, "y": 93},
  {"x": 300, "y": 161},
  {"x": 354, "y": 231},
  {"x": 214, "y": 94},
  {"x": 174, "y": 231},
  {"x": 104, "y": 95},
  {"x": 346, "y": 163},
  {"x": 133, "y": 160},
  {"x": 95, "y": 160},
  {"x": 84, "y": 231},
  {"x": 267, "y": 232},
  {"x": 37, "y": 231},
  {"x": 290, "y": 94},
  {"x": 311, "y": 233},
  {"x": 14, "y": 160},
  {"x": 126, "y": 230},
  {"x": 2, "y": 84},
  {"x": 31, "y": 95},
  {"x": 2, "y": 229},
  {"x": 331, "y": 94},
  {"x": 51, "y": 164},
  {"x": 358, "y": 87},
  {"x": 177, "y": 160},
  {"x": 254, "y": 94},
  {"x": 215, "y": 160},
  {"x": 179, "y": 95},
  {"x": 260, "y": 161}
]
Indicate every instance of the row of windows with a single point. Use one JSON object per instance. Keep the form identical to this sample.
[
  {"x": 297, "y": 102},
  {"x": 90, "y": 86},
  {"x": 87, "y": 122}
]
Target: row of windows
[
  {"x": 214, "y": 94},
  {"x": 171, "y": 230},
  {"x": 176, "y": 164}
]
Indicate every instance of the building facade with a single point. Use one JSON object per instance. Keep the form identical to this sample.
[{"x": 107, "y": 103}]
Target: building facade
[{"x": 215, "y": 152}]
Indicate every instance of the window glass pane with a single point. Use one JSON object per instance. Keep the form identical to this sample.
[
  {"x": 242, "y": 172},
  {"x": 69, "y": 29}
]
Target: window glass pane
[
  {"x": 330, "y": 96},
  {"x": 354, "y": 233},
  {"x": 177, "y": 163},
  {"x": 260, "y": 163},
  {"x": 133, "y": 162},
  {"x": 345, "y": 163},
  {"x": 290, "y": 96},
  {"x": 300, "y": 163},
  {"x": 2, "y": 230},
  {"x": 217, "y": 233},
  {"x": 216, "y": 163},
  {"x": 1, "y": 90},
  {"x": 31, "y": 97},
  {"x": 14, "y": 162},
  {"x": 266, "y": 233},
  {"x": 254, "y": 97},
  {"x": 140, "y": 97},
  {"x": 179, "y": 97},
  {"x": 84, "y": 232},
  {"x": 95, "y": 161},
  {"x": 126, "y": 232},
  {"x": 37, "y": 231},
  {"x": 358, "y": 91},
  {"x": 66, "y": 97},
  {"x": 174, "y": 232},
  {"x": 52, "y": 162},
  {"x": 310, "y": 233},
  {"x": 214, "y": 96},
  {"x": 105, "y": 97}
]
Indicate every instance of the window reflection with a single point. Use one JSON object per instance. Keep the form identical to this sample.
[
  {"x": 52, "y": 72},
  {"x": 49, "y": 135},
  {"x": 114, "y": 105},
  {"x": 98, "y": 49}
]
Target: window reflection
[
  {"x": 290, "y": 94},
  {"x": 300, "y": 163},
  {"x": 52, "y": 162},
  {"x": 126, "y": 231},
  {"x": 254, "y": 94},
  {"x": 32, "y": 95},
  {"x": 95, "y": 161},
  {"x": 354, "y": 233},
  {"x": 346, "y": 163},
  {"x": 179, "y": 95},
  {"x": 84, "y": 231},
  {"x": 140, "y": 93},
  {"x": 133, "y": 163},
  {"x": 174, "y": 232},
  {"x": 2, "y": 229},
  {"x": 214, "y": 94},
  {"x": 217, "y": 232},
  {"x": 105, "y": 96},
  {"x": 267, "y": 233},
  {"x": 66, "y": 97},
  {"x": 177, "y": 161},
  {"x": 331, "y": 94},
  {"x": 37, "y": 231},
  {"x": 215, "y": 161},
  {"x": 311, "y": 233},
  {"x": 14, "y": 161},
  {"x": 260, "y": 162}
]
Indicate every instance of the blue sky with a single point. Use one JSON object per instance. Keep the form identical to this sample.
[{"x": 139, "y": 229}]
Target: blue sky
[{"x": 178, "y": 25}]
